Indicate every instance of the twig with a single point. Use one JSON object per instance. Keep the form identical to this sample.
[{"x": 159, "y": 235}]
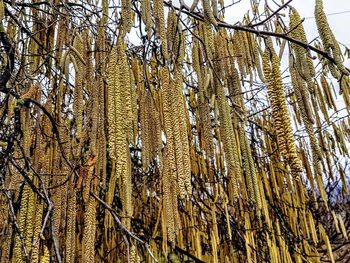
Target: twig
[
  {"x": 123, "y": 228},
  {"x": 270, "y": 16}
]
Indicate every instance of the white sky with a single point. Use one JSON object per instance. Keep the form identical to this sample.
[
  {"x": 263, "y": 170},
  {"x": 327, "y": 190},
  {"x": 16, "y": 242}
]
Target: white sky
[{"x": 340, "y": 23}]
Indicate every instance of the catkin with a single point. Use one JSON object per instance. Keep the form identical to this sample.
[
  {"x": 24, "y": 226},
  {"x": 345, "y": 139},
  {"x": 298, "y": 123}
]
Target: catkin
[
  {"x": 229, "y": 141},
  {"x": 36, "y": 231},
  {"x": 146, "y": 16},
  {"x": 180, "y": 136},
  {"x": 169, "y": 176},
  {"x": 2, "y": 10},
  {"x": 112, "y": 94},
  {"x": 328, "y": 40},
  {"x": 208, "y": 12},
  {"x": 30, "y": 218},
  {"x": 71, "y": 225},
  {"x": 194, "y": 5},
  {"x": 304, "y": 63},
  {"x": 78, "y": 88},
  {"x": 21, "y": 220},
  {"x": 89, "y": 231},
  {"x": 328, "y": 93},
  {"x": 280, "y": 113},
  {"x": 342, "y": 227},
  {"x": 145, "y": 125},
  {"x": 158, "y": 9},
  {"x": 171, "y": 33},
  {"x": 46, "y": 257},
  {"x": 325, "y": 238}
]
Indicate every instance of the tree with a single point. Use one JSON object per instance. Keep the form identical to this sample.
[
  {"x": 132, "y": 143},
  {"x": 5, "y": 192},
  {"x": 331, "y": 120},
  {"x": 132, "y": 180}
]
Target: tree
[{"x": 152, "y": 131}]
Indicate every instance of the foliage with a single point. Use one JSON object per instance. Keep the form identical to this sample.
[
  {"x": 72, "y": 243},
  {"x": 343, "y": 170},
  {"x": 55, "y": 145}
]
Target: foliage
[{"x": 150, "y": 131}]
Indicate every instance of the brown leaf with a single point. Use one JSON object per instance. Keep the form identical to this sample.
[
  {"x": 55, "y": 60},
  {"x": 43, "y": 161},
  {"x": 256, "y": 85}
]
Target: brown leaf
[{"x": 32, "y": 93}]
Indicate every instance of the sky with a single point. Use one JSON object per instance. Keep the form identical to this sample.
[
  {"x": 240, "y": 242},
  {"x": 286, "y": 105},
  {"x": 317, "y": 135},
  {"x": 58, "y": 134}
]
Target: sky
[{"x": 339, "y": 21}]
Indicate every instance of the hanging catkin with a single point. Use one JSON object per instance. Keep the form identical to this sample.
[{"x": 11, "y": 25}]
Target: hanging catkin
[
  {"x": 145, "y": 125},
  {"x": 182, "y": 150},
  {"x": 146, "y": 15},
  {"x": 203, "y": 107},
  {"x": 2, "y": 10},
  {"x": 21, "y": 219},
  {"x": 127, "y": 15},
  {"x": 45, "y": 258},
  {"x": 158, "y": 10},
  {"x": 113, "y": 91},
  {"x": 228, "y": 138},
  {"x": 120, "y": 86},
  {"x": 89, "y": 227},
  {"x": 78, "y": 105},
  {"x": 172, "y": 31},
  {"x": 169, "y": 171},
  {"x": 208, "y": 12},
  {"x": 329, "y": 42},
  {"x": 328, "y": 93},
  {"x": 280, "y": 113},
  {"x": 37, "y": 227},
  {"x": 126, "y": 89},
  {"x": 304, "y": 64}
]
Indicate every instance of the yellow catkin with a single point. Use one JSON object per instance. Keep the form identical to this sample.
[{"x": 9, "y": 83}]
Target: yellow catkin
[
  {"x": 328, "y": 40},
  {"x": 325, "y": 238},
  {"x": 37, "y": 227},
  {"x": 89, "y": 231},
  {"x": 127, "y": 15},
  {"x": 228, "y": 139},
  {"x": 78, "y": 104},
  {"x": 206, "y": 126},
  {"x": 71, "y": 225},
  {"x": 257, "y": 61},
  {"x": 2, "y": 10},
  {"x": 123, "y": 116},
  {"x": 112, "y": 93},
  {"x": 30, "y": 219},
  {"x": 21, "y": 220},
  {"x": 182, "y": 154},
  {"x": 126, "y": 89},
  {"x": 203, "y": 107},
  {"x": 335, "y": 221},
  {"x": 62, "y": 36},
  {"x": 133, "y": 114},
  {"x": 133, "y": 255},
  {"x": 236, "y": 94},
  {"x": 328, "y": 93},
  {"x": 145, "y": 125},
  {"x": 239, "y": 52},
  {"x": 304, "y": 108},
  {"x": 208, "y": 13},
  {"x": 158, "y": 9},
  {"x": 280, "y": 113},
  {"x": 46, "y": 257},
  {"x": 342, "y": 227},
  {"x": 172, "y": 33},
  {"x": 126, "y": 186},
  {"x": 146, "y": 16},
  {"x": 169, "y": 173},
  {"x": 208, "y": 36},
  {"x": 304, "y": 62},
  {"x": 246, "y": 166}
]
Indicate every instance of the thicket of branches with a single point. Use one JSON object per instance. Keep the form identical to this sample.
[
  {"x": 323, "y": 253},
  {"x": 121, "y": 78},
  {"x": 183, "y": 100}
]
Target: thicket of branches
[{"x": 153, "y": 131}]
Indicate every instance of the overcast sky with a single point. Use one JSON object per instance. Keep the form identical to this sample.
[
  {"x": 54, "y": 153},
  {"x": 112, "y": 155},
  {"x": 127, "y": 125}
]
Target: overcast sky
[
  {"x": 337, "y": 11},
  {"x": 339, "y": 22}
]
